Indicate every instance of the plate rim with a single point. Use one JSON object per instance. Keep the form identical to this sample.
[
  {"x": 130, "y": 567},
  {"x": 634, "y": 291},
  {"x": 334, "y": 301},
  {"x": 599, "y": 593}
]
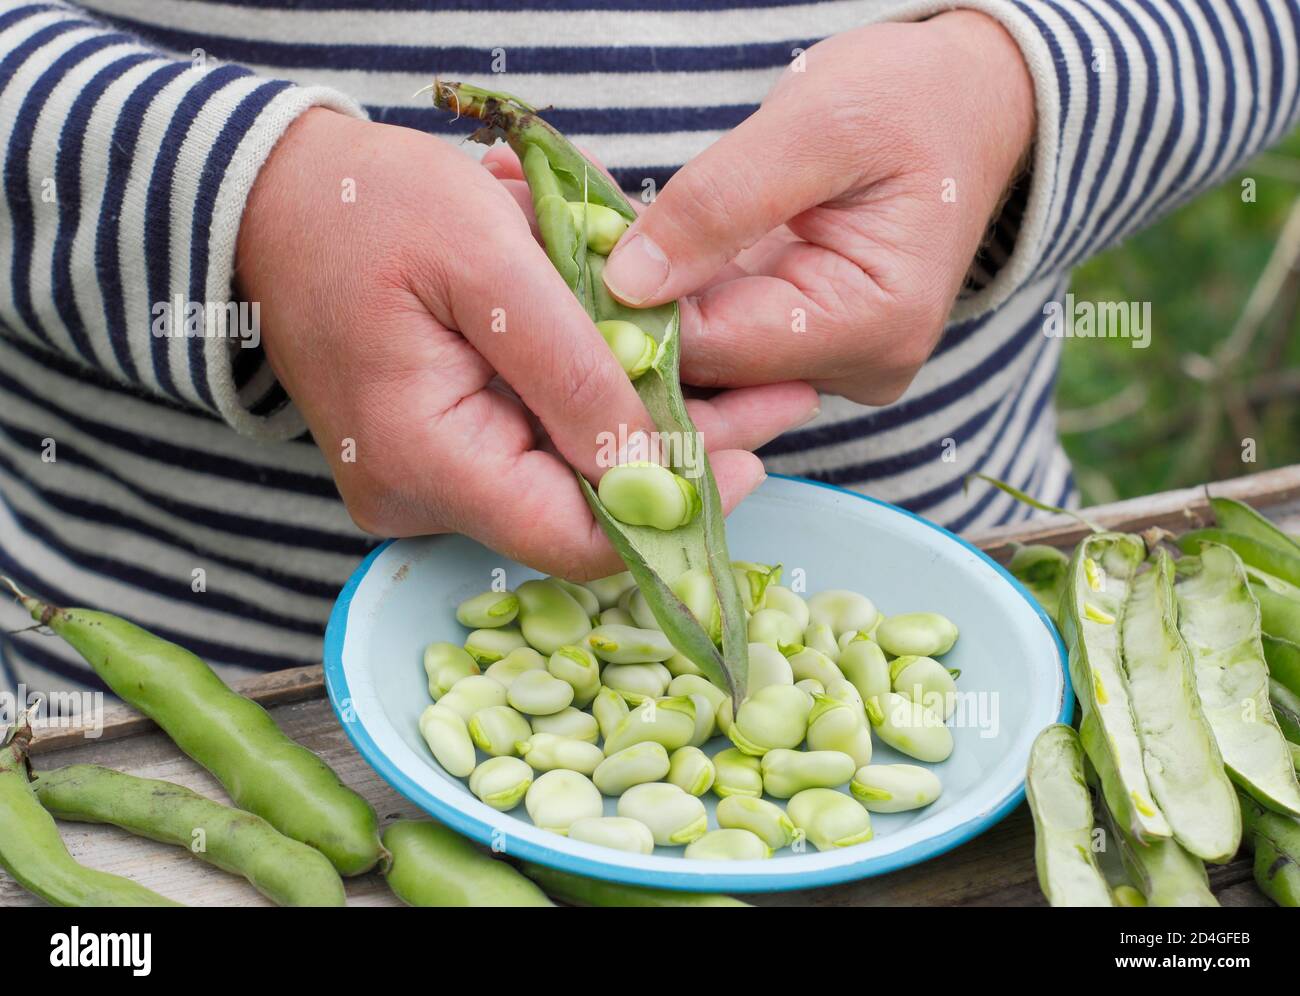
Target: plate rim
[{"x": 336, "y": 686}]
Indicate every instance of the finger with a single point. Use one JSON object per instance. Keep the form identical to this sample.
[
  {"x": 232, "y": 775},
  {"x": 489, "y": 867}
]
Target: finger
[
  {"x": 500, "y": 160},
  {"x": 517, "y": 312},
  {"x": 738, "y": 473},
  {"x": 723, "y": 200},
  {"x": 748, "y": 417}
]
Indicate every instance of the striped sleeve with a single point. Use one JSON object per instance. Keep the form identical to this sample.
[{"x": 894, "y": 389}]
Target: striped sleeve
[
  {"x": 125, "y": 176},
  {"x": 1141, "y": 105}
]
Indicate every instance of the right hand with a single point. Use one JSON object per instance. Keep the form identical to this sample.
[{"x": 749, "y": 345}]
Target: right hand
[{"x": 388, "y": 319}]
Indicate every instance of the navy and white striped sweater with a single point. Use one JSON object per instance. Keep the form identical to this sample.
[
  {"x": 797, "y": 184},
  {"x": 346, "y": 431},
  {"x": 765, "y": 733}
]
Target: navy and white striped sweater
[{"x": 131, "y": 132}]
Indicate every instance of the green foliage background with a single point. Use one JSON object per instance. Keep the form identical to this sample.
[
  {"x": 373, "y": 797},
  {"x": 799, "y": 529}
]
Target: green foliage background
[{"x": 1141, "y": 421}]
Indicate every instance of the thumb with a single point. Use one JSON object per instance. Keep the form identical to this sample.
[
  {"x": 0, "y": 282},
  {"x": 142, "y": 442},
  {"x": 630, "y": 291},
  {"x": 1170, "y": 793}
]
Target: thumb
[{"x": 754, "y": 178}]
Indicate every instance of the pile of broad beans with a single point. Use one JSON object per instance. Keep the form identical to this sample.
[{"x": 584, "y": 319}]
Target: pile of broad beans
[
  {"x": 564, "y": 695},
  {"x": 1187, "y": 672}
]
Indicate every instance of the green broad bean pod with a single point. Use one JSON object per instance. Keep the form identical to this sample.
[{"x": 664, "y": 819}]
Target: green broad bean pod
[
  {"x": 829, "y": 819},
  {"x": 1218, "y": 619},
  {"x": 775, "y": 716},
  {"x": 894, "y": 788},
  {"x": 264, "y": 771},
  {"x": 1101, "y": 573},
  {"x": 568, "y": 722},
  {"x": 842, "y": 611},
  {"x": 547, "y": 752},
  {"x": 539, "y": 693},
  {"x": 608, "y": 590},
  {"x": 910, "y": 727},
  {"x": 673, "y": 816},
  {"x": 550, "y": 617},
  {"x": 1283, "y": 660},
  {"x": 642, "y": 493},
  {"x": 788, "y": 772},
  {"x": 287, "y": 872},
  {"x": 513, "y": 664},
  {"x": 579, "y": 668},
  {"x": 768, "y": 666},
  {"x": 1164, "y": 873},
  {"x": 764, "y": 819},
  {"x": 666, "y": 721},
  {"x": 618, "y": 832},
  {"x": 864, "y": 664},
  {"x": 1182, "y": 761},
  {"x": 597, "y": 892},
  {"x": 560, "y": 797},
  {"x": 690, "y": 770},
  {"x": 647, "y": 761},
  {"x": 501, "y": 782},
  {"x": 1271, "y": 560},
  {"x": 433, "y": 866},
  {"x": 925, "y": 680},
  {"x": 728, "y": 844},
  {"x": 753, "y": 581},
  {"x": 444, "y": 665},
  {"x": 471, "y": 694},
  {"x": 629, "y": 645},
  {"x": 1059, "y": 800},
  {"x": 637, "y": 682},
  {"x": 778, "y": 598},
  {"x": 834, "y": 724},
  {"x": 1239, "y": 517},
  {"x": 33, "y": 852},
  {"x": 448, "y": 739},
  {"x": 736, "y": 773},
  {"x": 498, "y": 730},
  {"x": 487, "y": 646},
  {"x": 488, "y": 610},
  {"x": 609, "y": 709},
  {"x": 1275, "y": 839},
  {"x": 923, "y": 634}
]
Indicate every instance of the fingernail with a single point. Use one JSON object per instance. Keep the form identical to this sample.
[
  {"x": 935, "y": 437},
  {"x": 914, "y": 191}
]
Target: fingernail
[
  {"x": 636, "y": 269},
  {"x": 493, "y": 167},
  {"x": 811, "y": 415}
]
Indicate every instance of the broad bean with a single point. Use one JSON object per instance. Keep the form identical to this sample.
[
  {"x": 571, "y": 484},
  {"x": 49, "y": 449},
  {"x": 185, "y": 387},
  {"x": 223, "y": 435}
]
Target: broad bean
[
  {"x": 765, "y": 819},
  {"x": 775, "y": 628},
  {"x": 864, "y": 664},
  {"x": 667, "y": 721},
  {"x": 448, "y": 738},
  {"x": 501, "y": 782},
  {"x": 619, "y": 832},
  {"x": 695, "y": 589},
  {"x": 607, "y": 590},
  {"x": 583, "y": 596},
  {"x": 925, "y": 680},
  {"x": 736, "y": 774},
  {"x": 560, "y": 797},
  {"x": 842, "y": 610},
  {"x": 728, "y": 844},
  {"x": 434, "y": 866},
  {"x": 690, "y": 770},
  {"x": 568, "y": 722},
  {"x": 637, "y": 682},
  {"x": 910, "y": 727},
  {"x": 488, "y": 610},
  {"x": 629, "y": 645},
  {"x": 444, "y": 665},
  {"x": 768, "y": 666},
  {"x": 515, "y": 663},
  {"x": 487, "y": 646},
  {"x": 821, "y": 638},
  {"x": 609, "y": 709},
  {"x": 647, "y": 761},
  {"x": 547, "y": 752},
  {"x": 781, "y": 599},
  {"x": 753, "y": 581},
  {"x": 842, "y": 726},
  {"x": 473, "y": 693},
  {"x": 924, "y": 634},
  {"x": 788, "y": 772},
  {"x": 550, "y": 617},
  {"x": 775, "y": 716},
  {"x": 641, "y": 493},
  {"x": 829, "y": 819},
  {"x": 539, "y": 693},
  {"x": 673, "y": 816},
  {"x": 810, "y": 663},
  {"x": 579, "y": 667},
  {"x": 615, "y": 617},
  {"x": 497, "y": 730},
  {"x": 895, "y": 788}
]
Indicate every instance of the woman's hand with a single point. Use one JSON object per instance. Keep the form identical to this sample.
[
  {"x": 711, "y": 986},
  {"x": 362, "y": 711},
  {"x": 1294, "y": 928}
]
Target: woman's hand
[
  {"x": 828, "y": 235},
  {"x": 437, "y": 356}
]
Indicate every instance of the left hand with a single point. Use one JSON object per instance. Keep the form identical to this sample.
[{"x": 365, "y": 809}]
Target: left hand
[{"x": 828, "y": 205}]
